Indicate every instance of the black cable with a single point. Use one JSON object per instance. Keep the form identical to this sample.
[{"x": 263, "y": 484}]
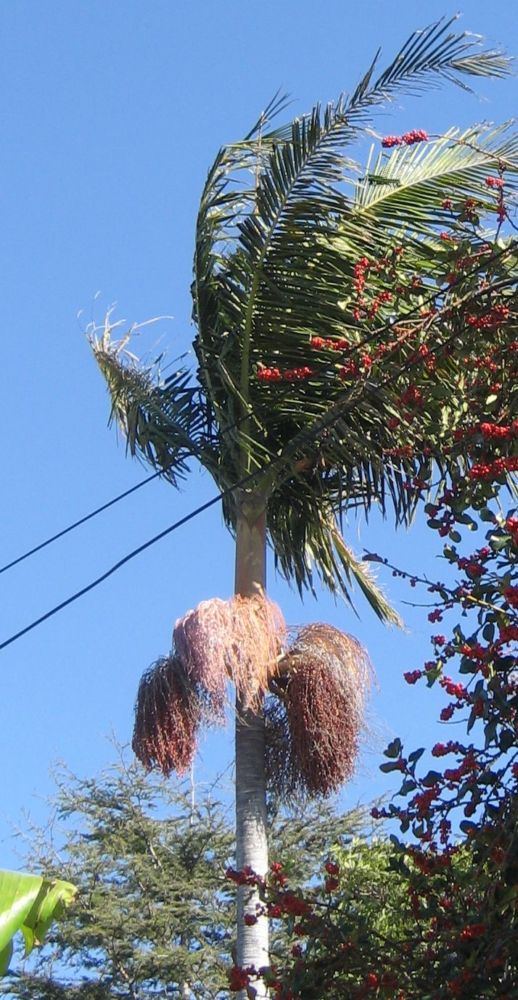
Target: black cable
[
  {"x": 113, "y": 569},
  {"x": 146, "y": 545},
  {"x": 82, "y": 520},
  {"x": 295, "y": 444},
  {"x": 346, "y": 353}
]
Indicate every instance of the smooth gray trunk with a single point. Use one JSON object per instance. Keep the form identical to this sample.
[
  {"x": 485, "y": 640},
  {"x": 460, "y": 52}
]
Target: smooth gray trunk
[{"x": 251, "y": 822}]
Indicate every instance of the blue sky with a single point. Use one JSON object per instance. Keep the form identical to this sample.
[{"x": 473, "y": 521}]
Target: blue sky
[{"x": 111, "y": 116}]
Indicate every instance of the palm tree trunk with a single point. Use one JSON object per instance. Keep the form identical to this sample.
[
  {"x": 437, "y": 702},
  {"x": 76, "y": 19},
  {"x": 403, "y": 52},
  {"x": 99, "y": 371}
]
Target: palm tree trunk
[{"x": 251, "y": 823}]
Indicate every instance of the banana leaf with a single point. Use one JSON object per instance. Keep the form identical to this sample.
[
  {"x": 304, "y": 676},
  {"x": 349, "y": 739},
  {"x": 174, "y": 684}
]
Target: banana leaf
[{"x": 28, "y": 903}]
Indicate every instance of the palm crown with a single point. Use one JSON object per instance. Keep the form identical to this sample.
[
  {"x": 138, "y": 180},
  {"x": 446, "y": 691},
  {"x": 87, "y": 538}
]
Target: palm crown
[{"x": 331, "y": 340}]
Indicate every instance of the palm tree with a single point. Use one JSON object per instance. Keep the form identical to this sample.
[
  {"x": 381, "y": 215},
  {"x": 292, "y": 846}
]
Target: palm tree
[{"x": 331, "y": 345}]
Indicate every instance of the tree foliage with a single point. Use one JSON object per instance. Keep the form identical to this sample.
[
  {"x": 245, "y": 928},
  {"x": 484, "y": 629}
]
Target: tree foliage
[
  {"x": 445, "y": 921},
  {"x": 317, "y": 280},
  {"x": 149, "y": 915},
  {"x": 154, "y": 915}
]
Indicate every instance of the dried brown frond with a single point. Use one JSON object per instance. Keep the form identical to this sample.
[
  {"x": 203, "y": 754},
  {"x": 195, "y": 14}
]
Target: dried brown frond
[
  {"x": 238, "y": 639},
  {"x": 168, "y": 714},
  {"x": 327, "y": 675}
]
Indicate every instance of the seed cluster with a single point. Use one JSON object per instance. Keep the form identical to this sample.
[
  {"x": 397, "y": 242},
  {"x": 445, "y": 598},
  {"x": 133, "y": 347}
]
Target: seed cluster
[
  {"x": 239, "y": 640},
  {"x": 313, "y": 734}
]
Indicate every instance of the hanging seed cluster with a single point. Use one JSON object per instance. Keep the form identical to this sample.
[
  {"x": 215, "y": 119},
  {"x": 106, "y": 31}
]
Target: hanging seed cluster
[
  {"x": 283, "y": 774},
  {"x": 167, "y": 717},
  {"x": 313, "y": 733},
  {"x": 197, "y": 638},
  {"x": 240, "y": 640}
]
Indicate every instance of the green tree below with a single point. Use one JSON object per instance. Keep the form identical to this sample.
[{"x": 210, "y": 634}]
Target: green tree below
[{"x": 154, "y": 915}]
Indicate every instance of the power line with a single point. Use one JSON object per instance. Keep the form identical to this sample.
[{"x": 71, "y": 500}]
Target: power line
[
  {"x": 141, "y": 548},
  {"x": 126, "y": 493},
  {"x": 297, "y": 441},
  {"x": 346, "y": 354},
  {"x": 82, "y": 520},
  {"x": 113, "y": 569}
]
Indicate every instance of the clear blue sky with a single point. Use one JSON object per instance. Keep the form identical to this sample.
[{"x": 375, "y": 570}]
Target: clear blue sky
[{"x": 111, "y": 115}]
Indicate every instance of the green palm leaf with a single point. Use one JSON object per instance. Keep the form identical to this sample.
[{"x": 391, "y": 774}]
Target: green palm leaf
[
  {"x": 306, "y": 538},
  {"x": 411, "y": 182},
  {"x": 285, "y": 164},
  {"x": 285, "y": 215}
]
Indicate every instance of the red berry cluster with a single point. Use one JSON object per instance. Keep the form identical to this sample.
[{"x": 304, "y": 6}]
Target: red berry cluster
[
  {"x": 239, "y": 978},
  {"x": 412, "y": 396},
  {"x": 333, "y": 872},
  {"x": 269, "y": 374},
  {"x": 360, "y": 271},
  {"x": 407, "y": 139},
  {"x": 412, "y": 676},
  {"x": 510, "y": 594},
  {"x": 493, "y": 318},
  {"x": 350, "y": 369},
  {"x": 442, "y": 749},
  {"x": 244, "y": 876},
  {"x": 452, "y": 688},
  {"x": 466, "y": 209},
  {"x": 494, "y": 182},
  {"x": 289, "y": 375},
  {"x": 502, "y": 431},
  {"x": 277, "y": 874},
  {"x": 326, "y": 343},
  {"x": 472, "y": 931},
  {"x": 490, "y": 471},
  {"x": 497, "y": 184}
]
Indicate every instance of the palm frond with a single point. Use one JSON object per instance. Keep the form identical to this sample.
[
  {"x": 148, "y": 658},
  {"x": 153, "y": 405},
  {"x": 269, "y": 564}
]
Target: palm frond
[
  {"x": 270, "y": 197},
  {"x": 339, "y": 446},
  {"x": 406, "y": 188},
  {"x": 164, "y": 420},
  {"x": 228, "y": 194},
  {"x": 309, "y": 152},
  {"x": 285, "y": 218},
  {"x": 433, "y": 54},
  {"x": 356, "y": 570},
  {"x": 307, "y": 541}
]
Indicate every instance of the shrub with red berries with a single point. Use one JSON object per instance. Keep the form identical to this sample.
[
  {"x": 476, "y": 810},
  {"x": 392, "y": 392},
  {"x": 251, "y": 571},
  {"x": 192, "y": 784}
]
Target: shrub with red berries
[{"x": 432, "y": 912}]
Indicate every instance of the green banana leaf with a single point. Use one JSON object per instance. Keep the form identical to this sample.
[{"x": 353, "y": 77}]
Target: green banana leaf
[{"x": 28, "y": 903}]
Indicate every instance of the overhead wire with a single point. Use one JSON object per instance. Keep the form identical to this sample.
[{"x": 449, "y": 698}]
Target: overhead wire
[
  {"x": 82, "y": 520},
  {"x": 131, "y": 555},
  {"x": 297, "y": 441},
  {"x": 345, "y": 354}
]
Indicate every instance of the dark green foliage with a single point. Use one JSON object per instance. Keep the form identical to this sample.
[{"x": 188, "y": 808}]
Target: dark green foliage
[
  {"x": 154, "y": 915},
  {"x": 434, "y": 915},
  {"x": 317, "y": 280},
  {"x": 149, "y": 910}
]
